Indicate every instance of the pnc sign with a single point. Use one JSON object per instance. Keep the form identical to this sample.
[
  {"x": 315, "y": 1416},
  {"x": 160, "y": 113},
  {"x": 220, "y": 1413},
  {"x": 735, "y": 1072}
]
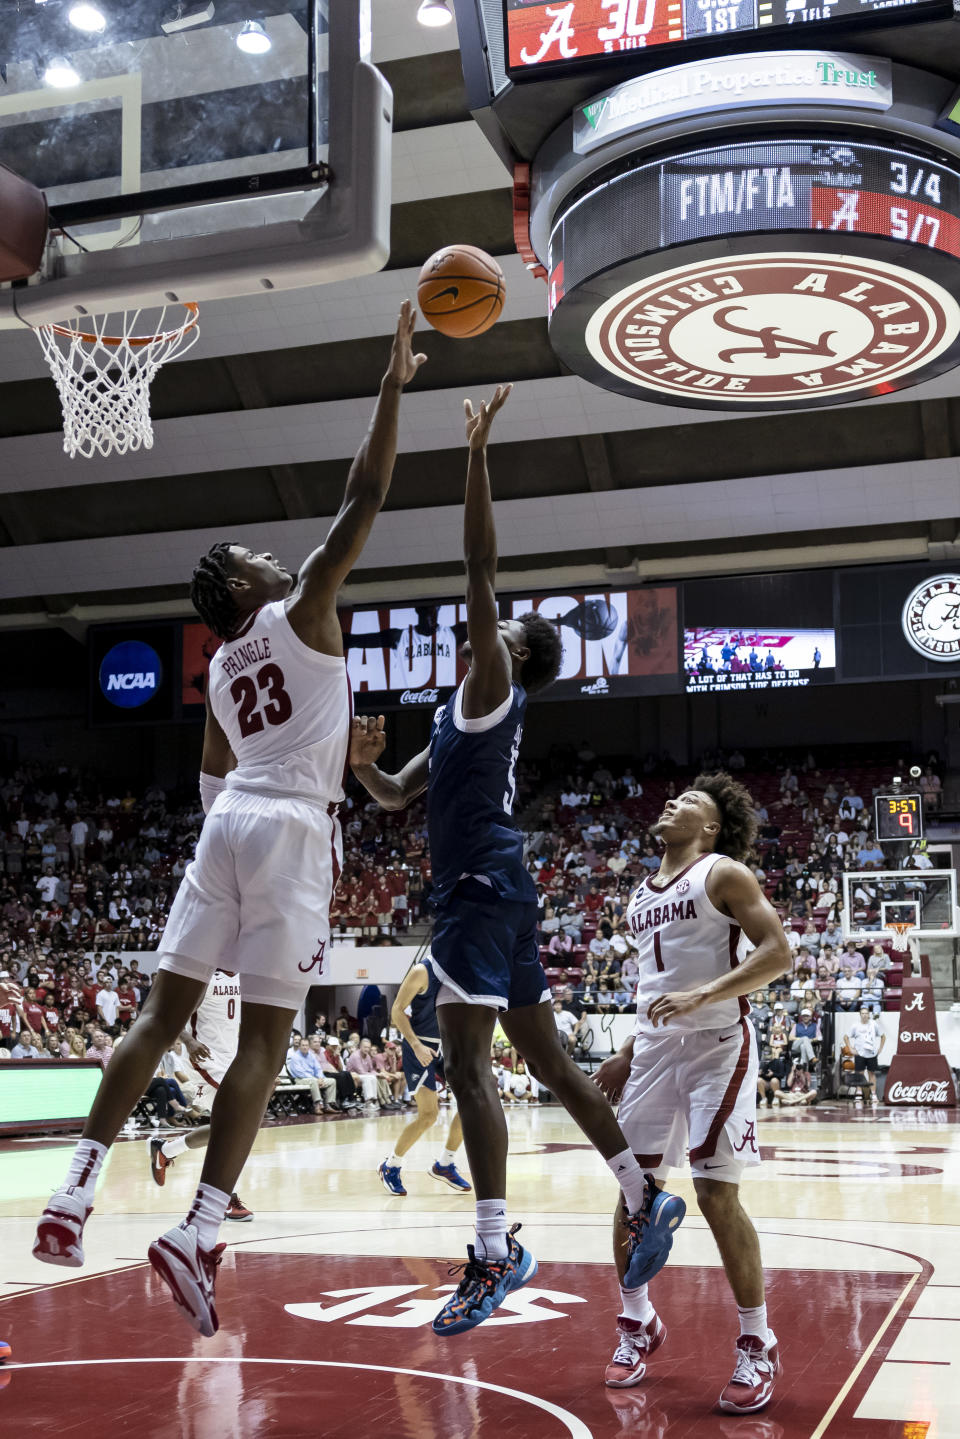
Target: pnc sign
[{"x": 130, "y": 674}]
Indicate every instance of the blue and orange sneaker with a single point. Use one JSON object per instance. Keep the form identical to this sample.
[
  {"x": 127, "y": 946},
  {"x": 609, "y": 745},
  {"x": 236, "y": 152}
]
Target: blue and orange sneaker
[
  {"x": 450, "y": 1174},
  {"x": 651, "y": 1232},
  {"x": 484, "y": 1287},
  {"x": 5, "y": 1351},
  {"x": 390, "y": 1179}
]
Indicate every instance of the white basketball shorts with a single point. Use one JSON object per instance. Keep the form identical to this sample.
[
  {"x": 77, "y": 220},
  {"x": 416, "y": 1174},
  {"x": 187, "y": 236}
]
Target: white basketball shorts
[
  {"x": 697, "y": 1091},
  {"x": 256, "y": 899}
]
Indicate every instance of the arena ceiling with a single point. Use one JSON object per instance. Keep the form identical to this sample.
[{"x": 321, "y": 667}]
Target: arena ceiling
[{"x": 256, "y": 429}]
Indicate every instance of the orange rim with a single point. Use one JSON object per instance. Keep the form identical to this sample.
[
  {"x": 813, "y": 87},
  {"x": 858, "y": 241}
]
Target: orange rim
[{"x": 135, "y": 342}]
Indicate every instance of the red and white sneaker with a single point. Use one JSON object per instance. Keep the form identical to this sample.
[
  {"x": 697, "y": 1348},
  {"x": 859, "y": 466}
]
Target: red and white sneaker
[
  {"x": 159, "y": 1163},
  {"x": 190, "y": 1273},
  {"x": 637, "y": 1341},
  {"x": 237, "y": 1210},
  {"x": 60, "y": 1230},
  {"x": 754, "y": 1376}
]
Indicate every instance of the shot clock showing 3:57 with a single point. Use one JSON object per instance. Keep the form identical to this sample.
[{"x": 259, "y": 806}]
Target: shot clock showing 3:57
[
  {"x": 899, "y": 816},
  {"x": 549, "y": 35}
]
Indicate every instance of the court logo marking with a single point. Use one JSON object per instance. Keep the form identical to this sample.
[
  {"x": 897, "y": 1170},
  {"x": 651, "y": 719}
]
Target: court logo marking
[
  {"x": 766, "y": 329},
  {"x": 521, "y": 1307},
  {"x": 931, "y": 618}
]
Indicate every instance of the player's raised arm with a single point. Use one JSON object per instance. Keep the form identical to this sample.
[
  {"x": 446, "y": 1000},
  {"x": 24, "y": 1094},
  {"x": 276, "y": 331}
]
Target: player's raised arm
[
  {"x": 392, "y": 791},
  {"x": 491, "y": 666},
  {"x": 734, "y": 890},
  {"x": 325, "y": 570}
]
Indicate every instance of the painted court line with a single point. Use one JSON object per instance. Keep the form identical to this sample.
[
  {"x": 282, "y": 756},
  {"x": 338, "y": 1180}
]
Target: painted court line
[
  {"x": 574, "y": 1426},
  {"x": 898, "y": 1303}
]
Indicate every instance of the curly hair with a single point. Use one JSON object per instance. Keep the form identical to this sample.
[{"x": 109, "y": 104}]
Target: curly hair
[
  {"x": 738, "y": 823},
  {"x": 546, "y": 652},
  {"x": 210, "y": 594}
]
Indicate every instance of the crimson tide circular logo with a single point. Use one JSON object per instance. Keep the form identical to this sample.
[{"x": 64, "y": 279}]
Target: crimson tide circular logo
[
  {"x": 931, "y": 618},
  {"x": 771, "y": 329}
]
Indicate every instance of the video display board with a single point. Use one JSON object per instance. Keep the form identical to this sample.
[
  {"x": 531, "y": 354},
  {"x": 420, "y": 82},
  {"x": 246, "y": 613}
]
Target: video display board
[
  {"x": 552, "y": 35},
  {"x": 734, "y": 659},
  {"x": 615, "y": 643}
]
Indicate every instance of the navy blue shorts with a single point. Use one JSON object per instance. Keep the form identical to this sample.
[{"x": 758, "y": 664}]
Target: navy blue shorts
[
  {"x": 417, "y": 1075},
  {"x": 485, "y": 948}
]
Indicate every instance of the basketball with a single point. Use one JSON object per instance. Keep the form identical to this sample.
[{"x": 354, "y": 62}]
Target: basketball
[{"x": 461, "y": 291}]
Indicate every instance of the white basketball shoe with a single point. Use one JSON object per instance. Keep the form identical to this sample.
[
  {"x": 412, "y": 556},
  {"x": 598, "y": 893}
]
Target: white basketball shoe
[
  {"x": 190, "y": 1273},
  {"x": 60, "y": 1229}
]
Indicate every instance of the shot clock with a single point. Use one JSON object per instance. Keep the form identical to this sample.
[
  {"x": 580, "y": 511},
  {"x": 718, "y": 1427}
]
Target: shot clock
[{"x": 899, "y": 816}]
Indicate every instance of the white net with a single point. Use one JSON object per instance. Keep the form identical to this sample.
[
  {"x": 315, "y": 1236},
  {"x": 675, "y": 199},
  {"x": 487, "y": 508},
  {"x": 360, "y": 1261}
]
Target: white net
[{"x": 104, "y": 377}]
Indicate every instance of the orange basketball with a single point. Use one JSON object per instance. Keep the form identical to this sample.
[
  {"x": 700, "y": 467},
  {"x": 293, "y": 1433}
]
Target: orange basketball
[{"x": 461, "y": 291}]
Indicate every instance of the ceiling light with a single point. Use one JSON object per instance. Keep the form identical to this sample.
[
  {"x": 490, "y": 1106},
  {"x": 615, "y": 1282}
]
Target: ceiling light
[
  {"x": 60, "y": 73},
  {"x": 184, "y": 14},
  {"x": 434, "y": 13},
  {"x": 254, "y": 39},
  {"x": 88, "y": 18}
]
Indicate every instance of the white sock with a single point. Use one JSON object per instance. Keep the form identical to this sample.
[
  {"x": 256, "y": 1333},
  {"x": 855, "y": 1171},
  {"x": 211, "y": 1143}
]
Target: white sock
[
  {"x": 172, "y": 1147},
  {"x": 630, "y": 1178},
  {"x": 446, "y": 1159},
  {"x": 85, "y": 1165},
  {"x": 754, "y": 1321},
  {"x": 635, "y": 1304},
  {"x": 491, "y": 1229},
  {"x": 393, "y": 1162},
  {"x": 206, "y": 1214}
]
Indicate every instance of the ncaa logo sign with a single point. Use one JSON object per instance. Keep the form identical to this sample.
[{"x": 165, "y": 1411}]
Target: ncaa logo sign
[{"x": 130, "y": 674}]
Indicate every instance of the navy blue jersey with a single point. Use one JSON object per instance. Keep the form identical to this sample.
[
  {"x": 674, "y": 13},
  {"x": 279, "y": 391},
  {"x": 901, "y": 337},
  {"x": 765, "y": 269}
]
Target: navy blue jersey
[
  {"x": 423, "y": 1009},
  {"x": 470, "y": 799}
]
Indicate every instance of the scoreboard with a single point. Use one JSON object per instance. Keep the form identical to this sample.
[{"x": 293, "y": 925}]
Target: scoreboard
[
  {"x": 899, "y": 816},
  {"x": 797, "y": 185},
  {"x": 548, "y": 35}
]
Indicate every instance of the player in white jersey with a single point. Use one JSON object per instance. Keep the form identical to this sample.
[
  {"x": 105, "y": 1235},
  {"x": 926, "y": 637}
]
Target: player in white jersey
[
  {"x": 210, "y": 1044},
  {"x": 687, "y": 1077},
  {"x": 256, "y": 897}
]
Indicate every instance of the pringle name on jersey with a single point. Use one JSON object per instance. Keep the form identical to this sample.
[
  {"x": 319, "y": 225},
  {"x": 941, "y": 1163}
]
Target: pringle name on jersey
[
  {"x": 245, "y": 655},
  {"x": 660, "y": 914}
]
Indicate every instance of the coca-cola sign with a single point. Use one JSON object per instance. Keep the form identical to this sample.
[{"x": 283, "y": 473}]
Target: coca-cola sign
[
  {"x": 931, "y": 1091},
  {"x": 419, "y": 697}
]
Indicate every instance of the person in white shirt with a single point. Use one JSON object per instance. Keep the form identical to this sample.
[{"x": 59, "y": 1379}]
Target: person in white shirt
[
  {"x": 865, "y": 1040},
  {"x": 566, "y": 1025},
  {"x": 848, "y": 989},
  {"x": 108, "y": 1004}
]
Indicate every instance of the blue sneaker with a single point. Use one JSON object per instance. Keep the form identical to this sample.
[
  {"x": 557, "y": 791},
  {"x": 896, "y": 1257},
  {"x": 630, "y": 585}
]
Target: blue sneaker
[
  {"x": 450, "y": 1174},
  {"x": 651, "y": 1232},
  {"x": 484, "y": 1287},
  {"x": 390, "y": 1179}
]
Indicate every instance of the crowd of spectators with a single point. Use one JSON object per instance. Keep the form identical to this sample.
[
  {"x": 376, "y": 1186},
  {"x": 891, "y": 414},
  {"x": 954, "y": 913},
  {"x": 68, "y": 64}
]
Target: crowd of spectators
[{"x": 590, "y": 844}]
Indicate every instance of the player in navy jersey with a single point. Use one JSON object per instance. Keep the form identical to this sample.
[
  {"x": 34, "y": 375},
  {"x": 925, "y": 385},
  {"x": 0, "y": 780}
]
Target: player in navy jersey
[
  {"x": 422, "y": 1067},
  {"x": 484, "y": 944}
]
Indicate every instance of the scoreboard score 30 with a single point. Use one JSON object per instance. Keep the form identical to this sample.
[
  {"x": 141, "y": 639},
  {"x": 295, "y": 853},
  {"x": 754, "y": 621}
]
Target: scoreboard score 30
[{"x": 567, "y": 34}]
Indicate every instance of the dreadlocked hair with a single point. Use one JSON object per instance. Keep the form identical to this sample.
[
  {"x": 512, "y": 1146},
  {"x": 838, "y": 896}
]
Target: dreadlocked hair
[
  {"x": 738, "y": 823},
  {"x": 542, "y": 638},
  {"x": 211, "y": 595}
]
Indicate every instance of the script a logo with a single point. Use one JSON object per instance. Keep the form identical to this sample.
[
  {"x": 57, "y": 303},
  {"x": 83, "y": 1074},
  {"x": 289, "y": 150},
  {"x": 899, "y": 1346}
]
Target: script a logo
[
  {"x": 915, "y": 1003},
  {"x": 931, "y": 618},
  {"x": 599, "y": 687},
  {"x": 932, "y": 1091},
  {"x": 765, "y": 329},
  {"x": 316, "y": 959}
]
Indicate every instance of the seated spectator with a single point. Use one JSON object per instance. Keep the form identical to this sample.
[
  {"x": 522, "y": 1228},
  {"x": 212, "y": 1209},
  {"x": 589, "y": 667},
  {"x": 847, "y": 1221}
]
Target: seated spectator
[
  {"x": 930, "y": 789},
  {"x": 362, "y": 1065},
  {"x": 870, "y": 853},
  {"x": 77, "y": 1047},
  {"x": 771, "y": 1075},
  {"x": 304, "y": 1065},
  {"x": 848, "y": 987},
  {"x": 799, "y": 1087},
  {"x": 805, "y": 1037},
  {"x": 566, "y": 1023},
  {"x": 801, "y": 983},
  {"x": 872, "y": 990},
  {"x": 810, "y": 938},
  {"x": 519, "y": 1086},
  {"x": 388, "y": 1064},
  {"x": 878, "y": 959},
  {"x": 100, "y": 1047},
  {"x": 348, "y": 1085},
  {"x": 26, "y": 1046}
]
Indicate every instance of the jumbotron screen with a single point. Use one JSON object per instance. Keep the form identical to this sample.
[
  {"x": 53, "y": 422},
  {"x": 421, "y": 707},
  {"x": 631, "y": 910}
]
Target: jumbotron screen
[
  {"x": 551, "y": 35},
  {"x": 614, "y": 643},
  {"x": 735, "y": 660}
]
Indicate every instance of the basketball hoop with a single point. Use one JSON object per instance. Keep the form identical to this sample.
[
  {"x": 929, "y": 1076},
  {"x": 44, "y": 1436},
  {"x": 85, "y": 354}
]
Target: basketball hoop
[
  {"x": 901, "y": 930},
  {"x": 104, "y": 380}
]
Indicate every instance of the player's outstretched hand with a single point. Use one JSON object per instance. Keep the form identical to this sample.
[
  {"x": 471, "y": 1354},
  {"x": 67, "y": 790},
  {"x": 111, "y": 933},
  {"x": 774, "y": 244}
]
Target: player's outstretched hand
[
  {"x": 612, "y": 1076},
  {"x": 478, "y": 425},
  {"x": 367, "y": 739},
  {"x": 404, "y": 364},
  {"x": 670, "y": 1006}
]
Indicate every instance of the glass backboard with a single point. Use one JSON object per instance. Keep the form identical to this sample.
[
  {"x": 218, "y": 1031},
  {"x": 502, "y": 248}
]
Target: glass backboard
[
  {"x": 186, "y": 147},
  {"x": 876, "y": 900}
]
